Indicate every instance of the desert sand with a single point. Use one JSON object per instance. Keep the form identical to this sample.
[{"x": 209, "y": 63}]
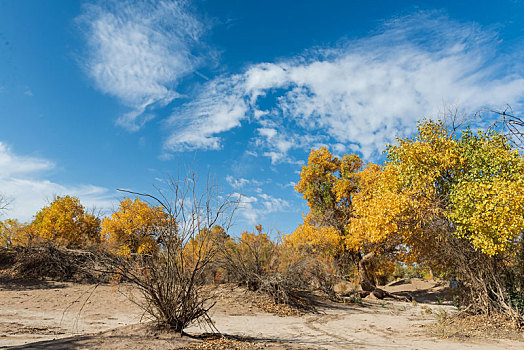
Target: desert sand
[{"x": 55, "y": 315}]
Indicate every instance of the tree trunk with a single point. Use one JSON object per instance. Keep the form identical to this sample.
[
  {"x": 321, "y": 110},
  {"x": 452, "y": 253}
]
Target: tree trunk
[{"x": 367, "y": 282}]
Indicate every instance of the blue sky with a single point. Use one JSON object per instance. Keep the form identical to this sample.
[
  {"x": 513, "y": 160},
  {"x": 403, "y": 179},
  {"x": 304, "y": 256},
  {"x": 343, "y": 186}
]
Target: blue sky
[{"x": 99, "y": 95}]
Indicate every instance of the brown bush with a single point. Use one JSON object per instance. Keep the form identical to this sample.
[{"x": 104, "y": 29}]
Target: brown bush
[
  {"x": 172, "y": 279},
  {"x": 47, "y": 261},
  {"x": 287, "y": 275}
]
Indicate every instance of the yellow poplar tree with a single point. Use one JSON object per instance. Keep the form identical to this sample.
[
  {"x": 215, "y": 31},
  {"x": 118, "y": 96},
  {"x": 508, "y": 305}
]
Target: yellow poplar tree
[
  {"x": 134, "y": 227},
  {"x": 330, "y": 185},
  {"x": 466, "y": 203},
  {"x": 440, "y": 180},
  {"x": 475, "y": 181},
  {"x": 208, "y": 243},
  {"x": 315, "y": 239},
  {"x": 15, "y": 233},
  {"x": 487, "y": 200},
  {"x": 65, "y": 222},
  {"x": 396, "y": 202}
]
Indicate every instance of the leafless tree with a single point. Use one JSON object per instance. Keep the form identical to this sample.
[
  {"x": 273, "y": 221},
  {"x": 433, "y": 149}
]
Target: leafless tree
[
  {"x": 172, "y": 279},
  {"x": 4, "y": 203},
  {"x": 511, "y": 124}
]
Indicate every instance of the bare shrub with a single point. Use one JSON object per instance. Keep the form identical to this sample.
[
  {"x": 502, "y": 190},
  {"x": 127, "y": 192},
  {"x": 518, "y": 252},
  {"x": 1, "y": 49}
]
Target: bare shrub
[
  {"x": 47, "y": 261},
  {"x": 323, "y": 274},
  {"x": 172, "y": 278},
  {"x": 284, "y": 274},
  {"x": 4, "y": 203},
  {"x": 252, "y": 257}
]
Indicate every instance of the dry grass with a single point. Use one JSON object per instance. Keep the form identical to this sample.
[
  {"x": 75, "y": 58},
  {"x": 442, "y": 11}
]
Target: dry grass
[
  {"x": 49, "y": 262},
  {"x": 225, "y": 343},
  {"x": 463, "y": 326},
  {"x": 251, "y": 301}
]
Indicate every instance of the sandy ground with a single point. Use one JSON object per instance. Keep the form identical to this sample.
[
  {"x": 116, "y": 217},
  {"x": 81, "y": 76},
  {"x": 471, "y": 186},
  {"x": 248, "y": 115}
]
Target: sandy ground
[{"x": 52, "y": 315}]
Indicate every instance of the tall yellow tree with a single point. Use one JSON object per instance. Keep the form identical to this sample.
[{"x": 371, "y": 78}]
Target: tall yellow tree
[
  {"x": 440, "y": 186},
  {"x": 327, "y": 184},
  {"x": 398, "y": 203},
  {"x": 65, "y": 222},
  {"x": 330, "y": 185},
  {"x": 451, "y": 199},
  {"x": 472, "y": 181},
  {"x": 135, "y": 227}
]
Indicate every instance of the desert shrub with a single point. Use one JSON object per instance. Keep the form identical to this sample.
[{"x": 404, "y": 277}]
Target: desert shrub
[
  {"x": 277, "y": 269},
  {"x": 515, "y": 280},
  {"x": 321, "y": 272},
  {"x": 251, "y": 258},
  {"x": 321, "y": 246},
  {"x": 48, "y": 261},
  {"x": 172, "y": 278},
  {"x": 7, "y": 258}
]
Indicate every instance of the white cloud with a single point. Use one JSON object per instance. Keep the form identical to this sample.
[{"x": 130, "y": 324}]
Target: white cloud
[
  {"x": 219, "y": 107},
  {"x": 357, "y": 96},
  {"x": 138, "y": 51},
  {"x": 280, "y": 141},
  {"x": 13, "y": 165},
  {"x": 254, "y": 208},
  {"x": 238, "y": 183},
  {"x": 22, "y": 180}
]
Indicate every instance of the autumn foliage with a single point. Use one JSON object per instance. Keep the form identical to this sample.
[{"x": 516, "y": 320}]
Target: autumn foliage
[
  {"x": 134, "y": 228},
  {"x": 446, "y": 198},
  {"x": 65, "y": 222},
  {"x": 280, "y": 269},
  {"x": 16, "y": 233}
]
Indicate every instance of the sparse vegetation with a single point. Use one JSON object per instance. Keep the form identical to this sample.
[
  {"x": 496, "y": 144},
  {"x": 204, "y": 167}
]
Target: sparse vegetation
[
  {"x": 448, "y": 203},
  {"x": 171, "y": 277},
  {"x": 272, "y": 268}
]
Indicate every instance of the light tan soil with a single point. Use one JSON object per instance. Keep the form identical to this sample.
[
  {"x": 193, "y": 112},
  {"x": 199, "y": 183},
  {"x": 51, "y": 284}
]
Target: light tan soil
[{"x": 52, "y": 315}]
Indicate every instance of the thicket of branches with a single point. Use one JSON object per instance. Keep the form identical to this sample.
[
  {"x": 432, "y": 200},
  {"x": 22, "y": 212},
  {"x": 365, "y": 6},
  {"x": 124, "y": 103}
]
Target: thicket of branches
[
  {"x": 275, "y": 269},
  {"x": 172, "y": 277}
]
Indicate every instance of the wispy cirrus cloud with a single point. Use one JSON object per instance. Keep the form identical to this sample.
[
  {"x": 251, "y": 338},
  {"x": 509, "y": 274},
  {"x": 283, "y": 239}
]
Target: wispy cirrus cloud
[
  {"x": 219, "y": 107},
  {"x": 16, "y": 165},
  {"x": 138, "y": 51},
  {"x": 238, "y": 183},
  {"x": 23, "y": 180},
  {"x": 253, "y": 208},
  {"x": 359, "y": 95}
]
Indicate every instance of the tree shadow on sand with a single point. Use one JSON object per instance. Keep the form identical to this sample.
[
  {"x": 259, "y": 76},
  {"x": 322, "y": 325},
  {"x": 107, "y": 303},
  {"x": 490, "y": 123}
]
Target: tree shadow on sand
[
  {"x": 150, "y": 341},
  {"x": 15, "y": 284}
]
